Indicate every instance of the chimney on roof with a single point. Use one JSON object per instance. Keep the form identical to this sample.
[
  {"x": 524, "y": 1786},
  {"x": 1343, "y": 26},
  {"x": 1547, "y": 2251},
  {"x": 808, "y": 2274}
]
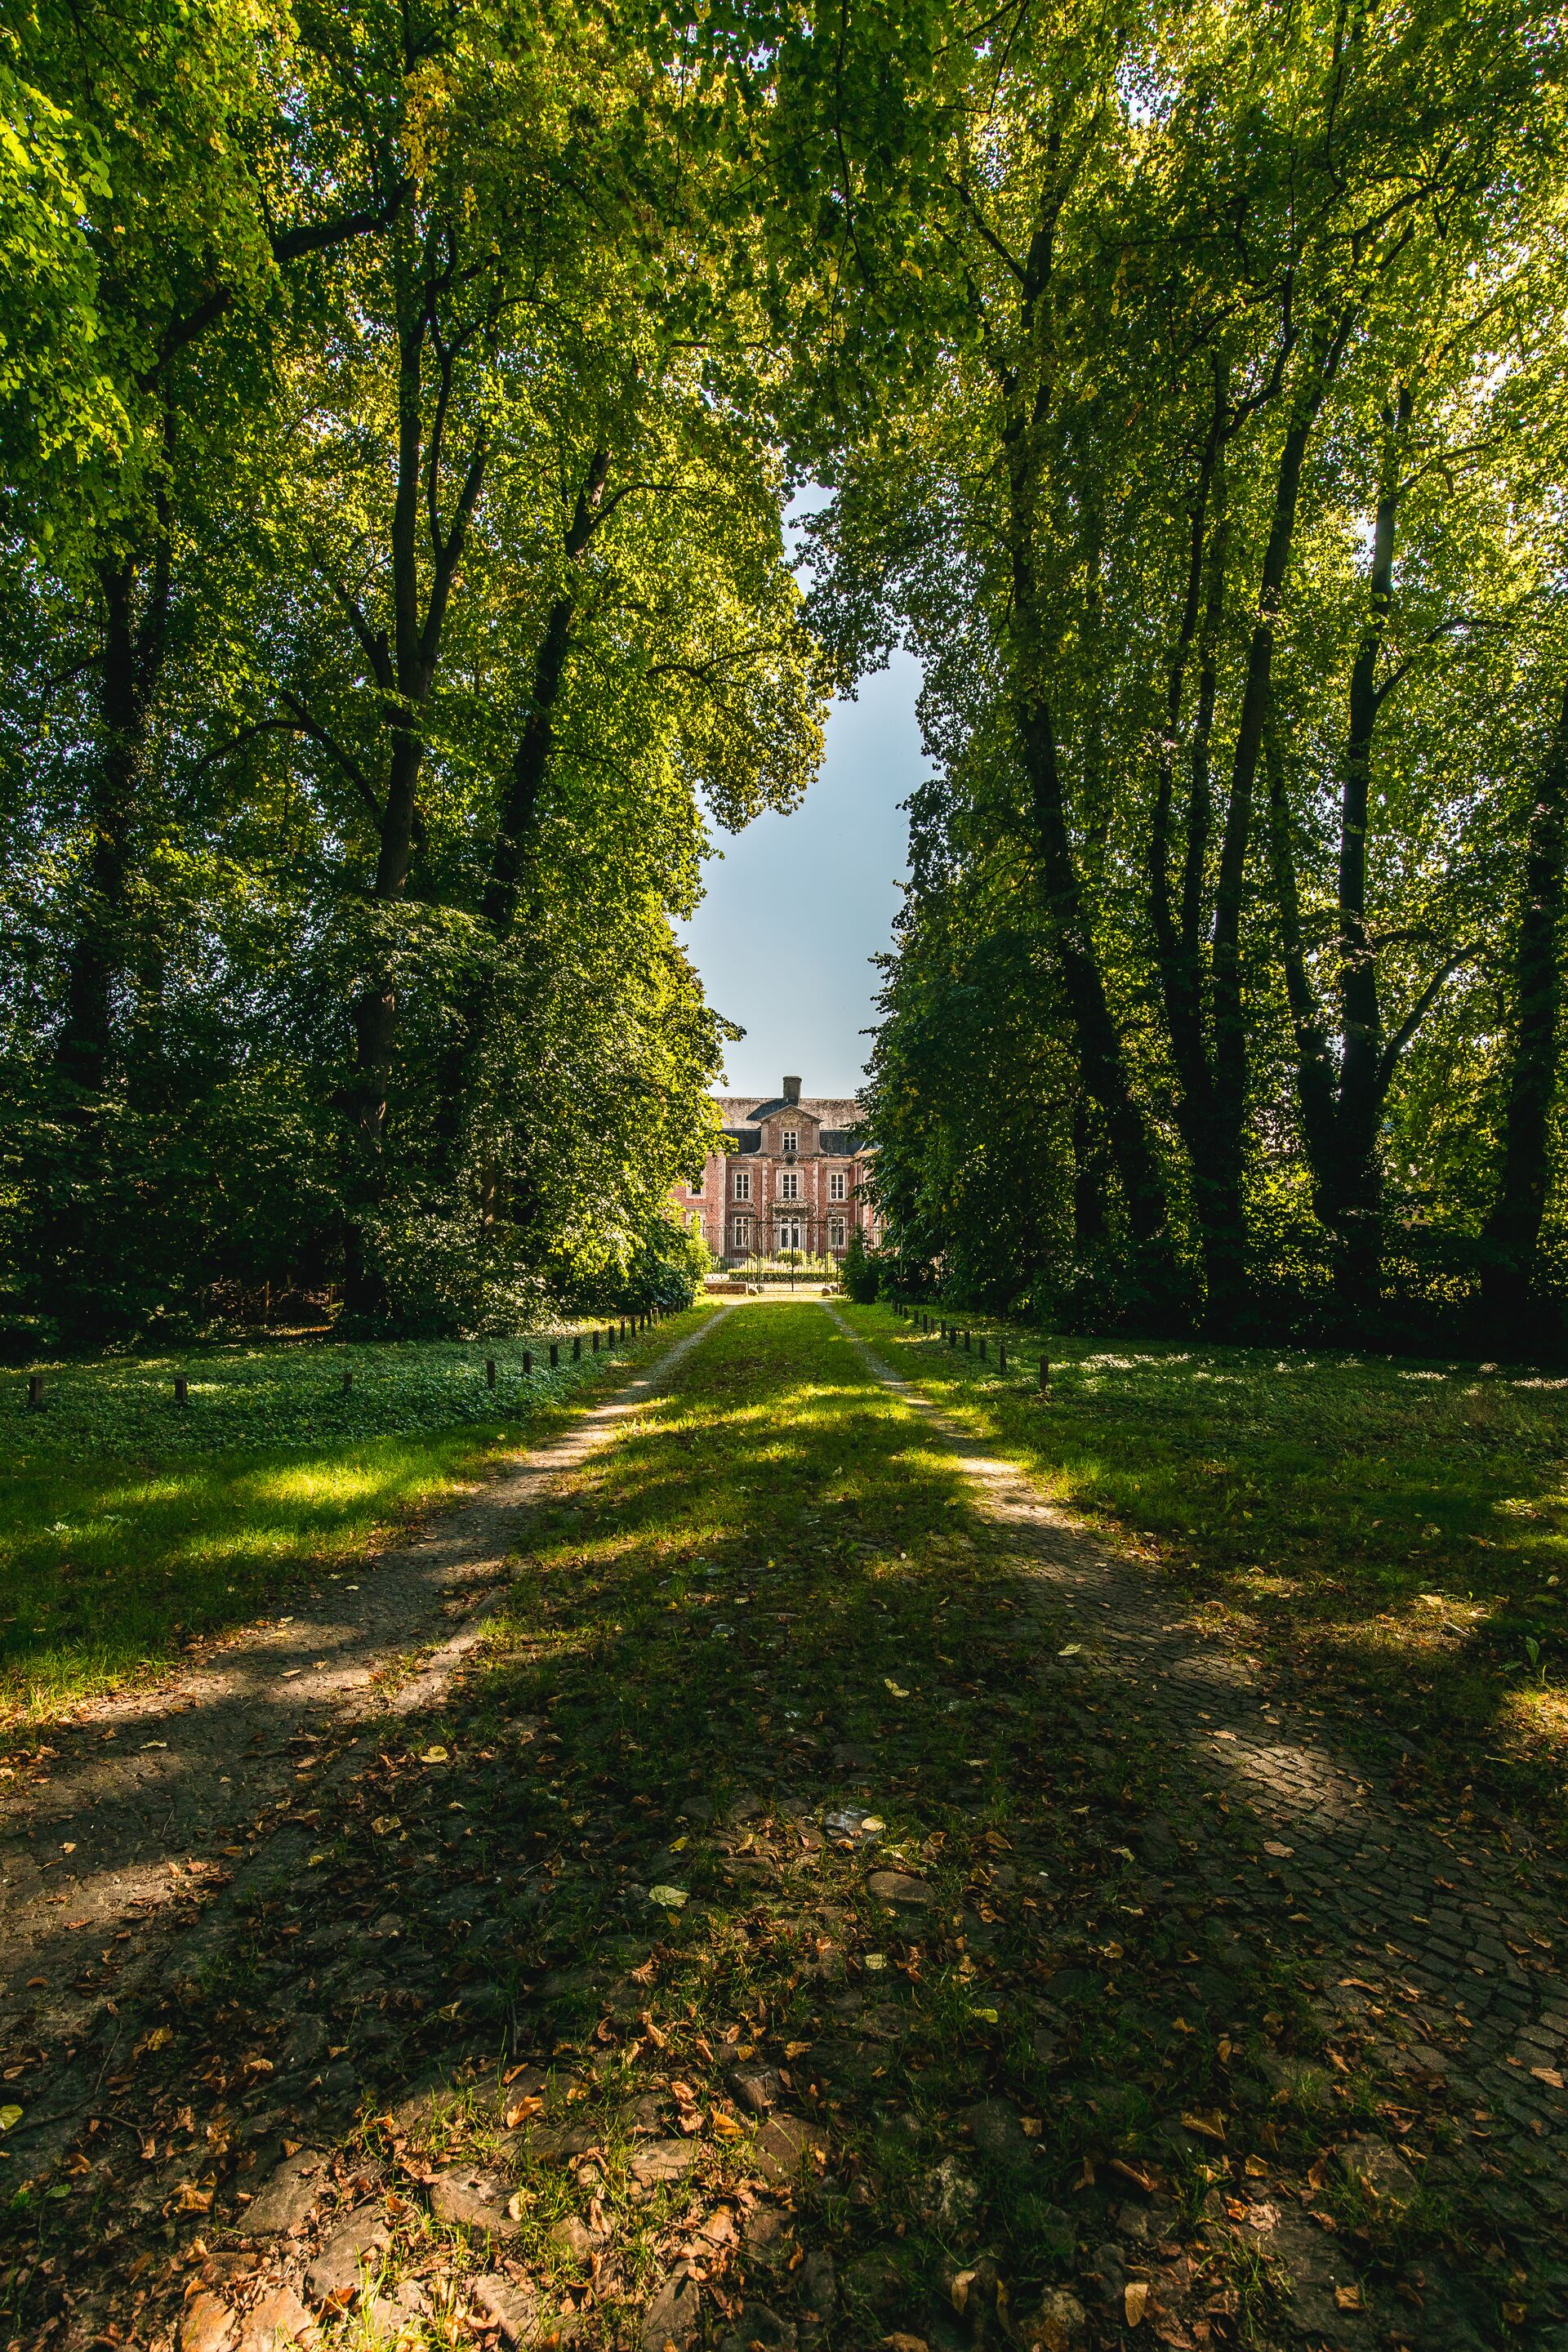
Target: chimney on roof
[{"x": 792, "y": 1091}]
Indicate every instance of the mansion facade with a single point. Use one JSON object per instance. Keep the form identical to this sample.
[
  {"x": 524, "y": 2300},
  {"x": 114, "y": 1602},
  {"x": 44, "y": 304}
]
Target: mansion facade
[{"x": 792, "y": 1179}]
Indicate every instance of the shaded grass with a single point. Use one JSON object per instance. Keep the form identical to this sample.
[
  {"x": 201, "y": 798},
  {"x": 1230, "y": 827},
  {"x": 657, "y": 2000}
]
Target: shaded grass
[
  {"x": 1395, "y": 1529},
  {"x": 611, "y": 1872},
  {"x": 129, "y": 1525}
]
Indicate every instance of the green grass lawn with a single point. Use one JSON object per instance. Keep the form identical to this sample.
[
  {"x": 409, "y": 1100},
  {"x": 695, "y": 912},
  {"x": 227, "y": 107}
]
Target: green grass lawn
[
  {"x": 1394, "y": 1530},
  {"x": 130, "y": 1523},
  {"x": 624, "y": 1874}
]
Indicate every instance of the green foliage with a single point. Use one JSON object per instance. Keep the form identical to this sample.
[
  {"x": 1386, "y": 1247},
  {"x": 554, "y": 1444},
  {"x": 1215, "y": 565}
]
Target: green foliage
[
  {"x": 1204, "y": 540},
  {"x": 380, "y": 647},
  {"x": 861, "y": 1271}
]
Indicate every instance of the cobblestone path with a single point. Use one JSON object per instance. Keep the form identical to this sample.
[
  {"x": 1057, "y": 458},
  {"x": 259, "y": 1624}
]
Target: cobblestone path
[{"x": 1434, "y": 1958}]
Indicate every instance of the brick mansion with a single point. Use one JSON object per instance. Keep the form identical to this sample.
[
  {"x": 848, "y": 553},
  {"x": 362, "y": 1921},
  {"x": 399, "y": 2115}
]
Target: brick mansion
[{"x": 791, "y": 1180}]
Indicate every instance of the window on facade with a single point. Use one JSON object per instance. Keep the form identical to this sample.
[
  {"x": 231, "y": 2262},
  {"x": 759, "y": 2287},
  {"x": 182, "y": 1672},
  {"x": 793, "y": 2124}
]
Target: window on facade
[
  {"x": 836, "y": 1232},
  {"x": 789, "y": 1185},
  {"x": 792, "y": 1138},
  {"x": 697, "y": 1191},
  {"x": 836, "y": 1185},
  {"x": 742, "y": 1184},
  {"x": 738, "y": 1231}
]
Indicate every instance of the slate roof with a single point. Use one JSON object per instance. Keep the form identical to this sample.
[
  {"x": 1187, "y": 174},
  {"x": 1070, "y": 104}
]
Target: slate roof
[{"x": 837, "y": 1117}]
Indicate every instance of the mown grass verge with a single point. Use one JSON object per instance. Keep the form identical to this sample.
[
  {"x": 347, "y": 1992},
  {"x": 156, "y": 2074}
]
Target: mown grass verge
[
  {"x": 131, "y": 1524},
  {"x": 1395, "y": 1532}
]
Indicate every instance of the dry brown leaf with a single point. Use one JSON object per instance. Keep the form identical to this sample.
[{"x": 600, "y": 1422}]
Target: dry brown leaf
[
  {"x": 1208, "y": 2123},
  {"x": 1135, "y": 2300}
]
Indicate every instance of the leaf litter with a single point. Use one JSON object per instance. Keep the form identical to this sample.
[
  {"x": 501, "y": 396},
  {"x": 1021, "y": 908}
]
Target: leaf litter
[{"x": 457, "y": 2057}]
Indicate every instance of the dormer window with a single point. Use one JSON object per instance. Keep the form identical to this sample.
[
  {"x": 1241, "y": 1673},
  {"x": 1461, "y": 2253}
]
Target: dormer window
[{"x": 791, "y": 1138}]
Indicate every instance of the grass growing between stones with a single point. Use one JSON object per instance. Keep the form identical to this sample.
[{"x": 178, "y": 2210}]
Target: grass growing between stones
[
  {"x": 768, "y": 1942},
  {"x": 1395, "y": 1531},
  {"x": 131, "y": 1524}
]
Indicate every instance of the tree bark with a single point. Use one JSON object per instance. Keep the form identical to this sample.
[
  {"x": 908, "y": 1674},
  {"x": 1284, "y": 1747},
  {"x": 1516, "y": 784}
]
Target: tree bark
[
  {"x": 1219, "y": 1173},
  {"x": 516, "y": 828},
  {"x": 1513, "y": 1228},
  {"x": 1355, "y": 1192},
  {"x": 131, "y": 667}
]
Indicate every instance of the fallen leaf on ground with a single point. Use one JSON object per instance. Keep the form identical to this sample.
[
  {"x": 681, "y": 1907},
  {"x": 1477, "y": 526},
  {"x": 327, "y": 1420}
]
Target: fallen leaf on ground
[
  {"x": 1135, "y": 2300},
  {"x": 1208, "y": 2125}
]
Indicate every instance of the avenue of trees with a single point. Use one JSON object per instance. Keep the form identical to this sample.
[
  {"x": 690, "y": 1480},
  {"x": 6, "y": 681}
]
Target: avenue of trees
[
  {"x": 392, "y": 583},
  {"x": 397, "y": 408}
]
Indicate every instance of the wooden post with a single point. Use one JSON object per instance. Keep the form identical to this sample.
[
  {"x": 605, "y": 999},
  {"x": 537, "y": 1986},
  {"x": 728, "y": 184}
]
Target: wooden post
[
  {"x": 554, "y": 1354},
  {"x": 35, "y": 1391},
  {"x": 489, "y": 1371},
  {"x": 1001, "y": 1355},
  {"x": 595, "y": 1343},
  {"x": 968, "y": 1345},
  {"x": 182, "y": 1389},
  {"x": 527, "y": 1365},
  {"x": 983, "y": 1346},
  {"x": 576, "y": 1347},
  {"x": 1045, "y": 1374},
  {"x": 348, "y": 1383}
]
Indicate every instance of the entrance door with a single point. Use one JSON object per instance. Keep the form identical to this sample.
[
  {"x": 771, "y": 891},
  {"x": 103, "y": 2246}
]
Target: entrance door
[{"x": 788, "y": 1237}]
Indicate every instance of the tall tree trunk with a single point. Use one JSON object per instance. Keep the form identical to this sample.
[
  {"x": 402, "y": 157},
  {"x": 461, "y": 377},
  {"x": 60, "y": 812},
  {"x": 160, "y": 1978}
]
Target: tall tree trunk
[
  {"x": 136, "y": 633},
  {"x": 1101, "y": 1060},
  {"x": 1178, "y": 933},
  {"x": 406, "y": 673},
  {"x": 1219, "y": 1175},
  {"x": 1513, "y": 1228},
  {"x": 516, "y": 828}
]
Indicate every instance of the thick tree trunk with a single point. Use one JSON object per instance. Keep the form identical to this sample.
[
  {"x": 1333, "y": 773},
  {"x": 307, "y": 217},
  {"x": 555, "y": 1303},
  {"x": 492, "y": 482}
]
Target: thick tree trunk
[{"x": 1513, "y": 1229}]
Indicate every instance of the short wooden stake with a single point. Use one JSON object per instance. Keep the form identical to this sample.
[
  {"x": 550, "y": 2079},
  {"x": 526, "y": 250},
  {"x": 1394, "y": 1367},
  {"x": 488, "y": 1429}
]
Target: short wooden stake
[
  {"x": 348, "y": 1383},
  {"x": 182, "y": 1389},
  {"x": 489, "y": 1371},
  {"x": 577, "y": 1348},
  {"x": 595, "y": 1343},
  {"x": 1001, "y": 1355},
  {"x": 554, "y": 1354},
  {"x": 1045, "y": 1374},
  {"x": 35, "y": 1391},
  {"x": 983, "y": 1346},
  {"x": 527, "y": 1365},
  {"x": 968, "y": 1345}
]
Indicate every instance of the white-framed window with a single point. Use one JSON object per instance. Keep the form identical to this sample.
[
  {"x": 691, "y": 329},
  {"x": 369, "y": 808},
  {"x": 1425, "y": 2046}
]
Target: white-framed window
[
  {"x": 739, "y": 1232},
  {"x": 835, "y": 1184},
  {"x": 791, "y": 1139},
  {"x": 698, "y": 1189},
  {"x": 742, "y": 1184},
  {"x": 787, "y": 1237},
  {"x": 836, "y": 1232},
  {"x": 789, "y": 1184}
]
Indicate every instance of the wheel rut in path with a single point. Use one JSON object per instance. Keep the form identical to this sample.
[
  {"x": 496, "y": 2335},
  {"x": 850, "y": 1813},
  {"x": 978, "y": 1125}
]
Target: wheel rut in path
[
  {"x": 151, "y": 1796},
  {"x": 1430, "y": 1943}
]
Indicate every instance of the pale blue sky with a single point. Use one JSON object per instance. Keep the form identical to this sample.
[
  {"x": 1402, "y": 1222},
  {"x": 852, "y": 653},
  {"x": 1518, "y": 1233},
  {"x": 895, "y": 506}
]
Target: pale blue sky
[{"x": 796, "y": 905}]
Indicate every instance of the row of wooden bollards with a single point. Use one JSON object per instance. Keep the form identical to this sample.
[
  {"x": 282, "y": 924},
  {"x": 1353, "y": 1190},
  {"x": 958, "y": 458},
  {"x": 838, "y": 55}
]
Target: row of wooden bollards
[
  {"x": 611, "y": 1335},
  {"x": 956, "y": 1337}
]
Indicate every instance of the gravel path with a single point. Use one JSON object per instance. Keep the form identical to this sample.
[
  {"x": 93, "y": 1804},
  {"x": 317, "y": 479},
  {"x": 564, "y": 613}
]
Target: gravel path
[{"x": 142, "y": 1800}]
